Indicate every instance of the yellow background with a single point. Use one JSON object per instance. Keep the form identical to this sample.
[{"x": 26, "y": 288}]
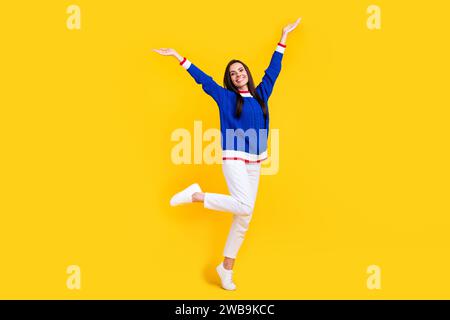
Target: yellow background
[{"x": 86, "y": 175}]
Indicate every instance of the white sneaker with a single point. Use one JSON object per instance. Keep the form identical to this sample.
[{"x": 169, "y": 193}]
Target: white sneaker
[
  {"x": 226, "y": 277},
  {"x": 185, "y": 196}
]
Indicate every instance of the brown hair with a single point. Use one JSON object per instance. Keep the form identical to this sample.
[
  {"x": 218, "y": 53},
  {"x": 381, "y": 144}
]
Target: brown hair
[{"x": 228, "y": 83}]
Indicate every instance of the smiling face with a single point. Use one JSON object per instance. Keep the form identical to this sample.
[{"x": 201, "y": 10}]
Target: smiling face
[{"x": 239, "y": 76}]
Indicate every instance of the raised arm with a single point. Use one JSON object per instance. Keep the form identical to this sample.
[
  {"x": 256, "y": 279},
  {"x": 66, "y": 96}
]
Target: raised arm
[
  {"x": 208, "y": 84},
  {"x": 271, "y": 73}
]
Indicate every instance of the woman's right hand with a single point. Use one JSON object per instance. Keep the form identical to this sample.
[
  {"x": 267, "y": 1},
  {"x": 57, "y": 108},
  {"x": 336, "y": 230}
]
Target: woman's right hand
[
  {"x": 166, "y": 51},
  {"x": 169, "y": 52}
]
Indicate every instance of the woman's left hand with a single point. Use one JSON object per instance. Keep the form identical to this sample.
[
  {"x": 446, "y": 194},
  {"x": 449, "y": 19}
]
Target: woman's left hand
[{"x": 291, "y": 26}]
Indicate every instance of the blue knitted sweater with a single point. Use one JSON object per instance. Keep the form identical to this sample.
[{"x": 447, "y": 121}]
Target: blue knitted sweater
[{"x": 245, "y": 137}]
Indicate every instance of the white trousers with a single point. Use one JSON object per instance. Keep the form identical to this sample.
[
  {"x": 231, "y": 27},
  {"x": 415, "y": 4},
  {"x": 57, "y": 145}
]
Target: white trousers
[{"x": 242, "y": 180}]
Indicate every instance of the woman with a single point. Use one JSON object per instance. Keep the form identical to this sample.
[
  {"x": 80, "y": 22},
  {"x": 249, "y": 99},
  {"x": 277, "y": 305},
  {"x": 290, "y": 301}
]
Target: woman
[{"x": 244, "y": 121}]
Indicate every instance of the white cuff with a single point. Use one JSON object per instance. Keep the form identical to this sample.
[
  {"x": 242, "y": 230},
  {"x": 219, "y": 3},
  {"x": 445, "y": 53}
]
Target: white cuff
[
  {"x": 280, "y": 49},
  {"x": 185, "y": 63}
]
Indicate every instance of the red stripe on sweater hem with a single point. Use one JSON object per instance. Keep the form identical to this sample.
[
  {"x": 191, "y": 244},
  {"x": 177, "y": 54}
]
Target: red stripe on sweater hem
[
  {"x": 282, "y": 45},
  {"x": 246, "y": 161},
  {"x": 184, "y": 59}
]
